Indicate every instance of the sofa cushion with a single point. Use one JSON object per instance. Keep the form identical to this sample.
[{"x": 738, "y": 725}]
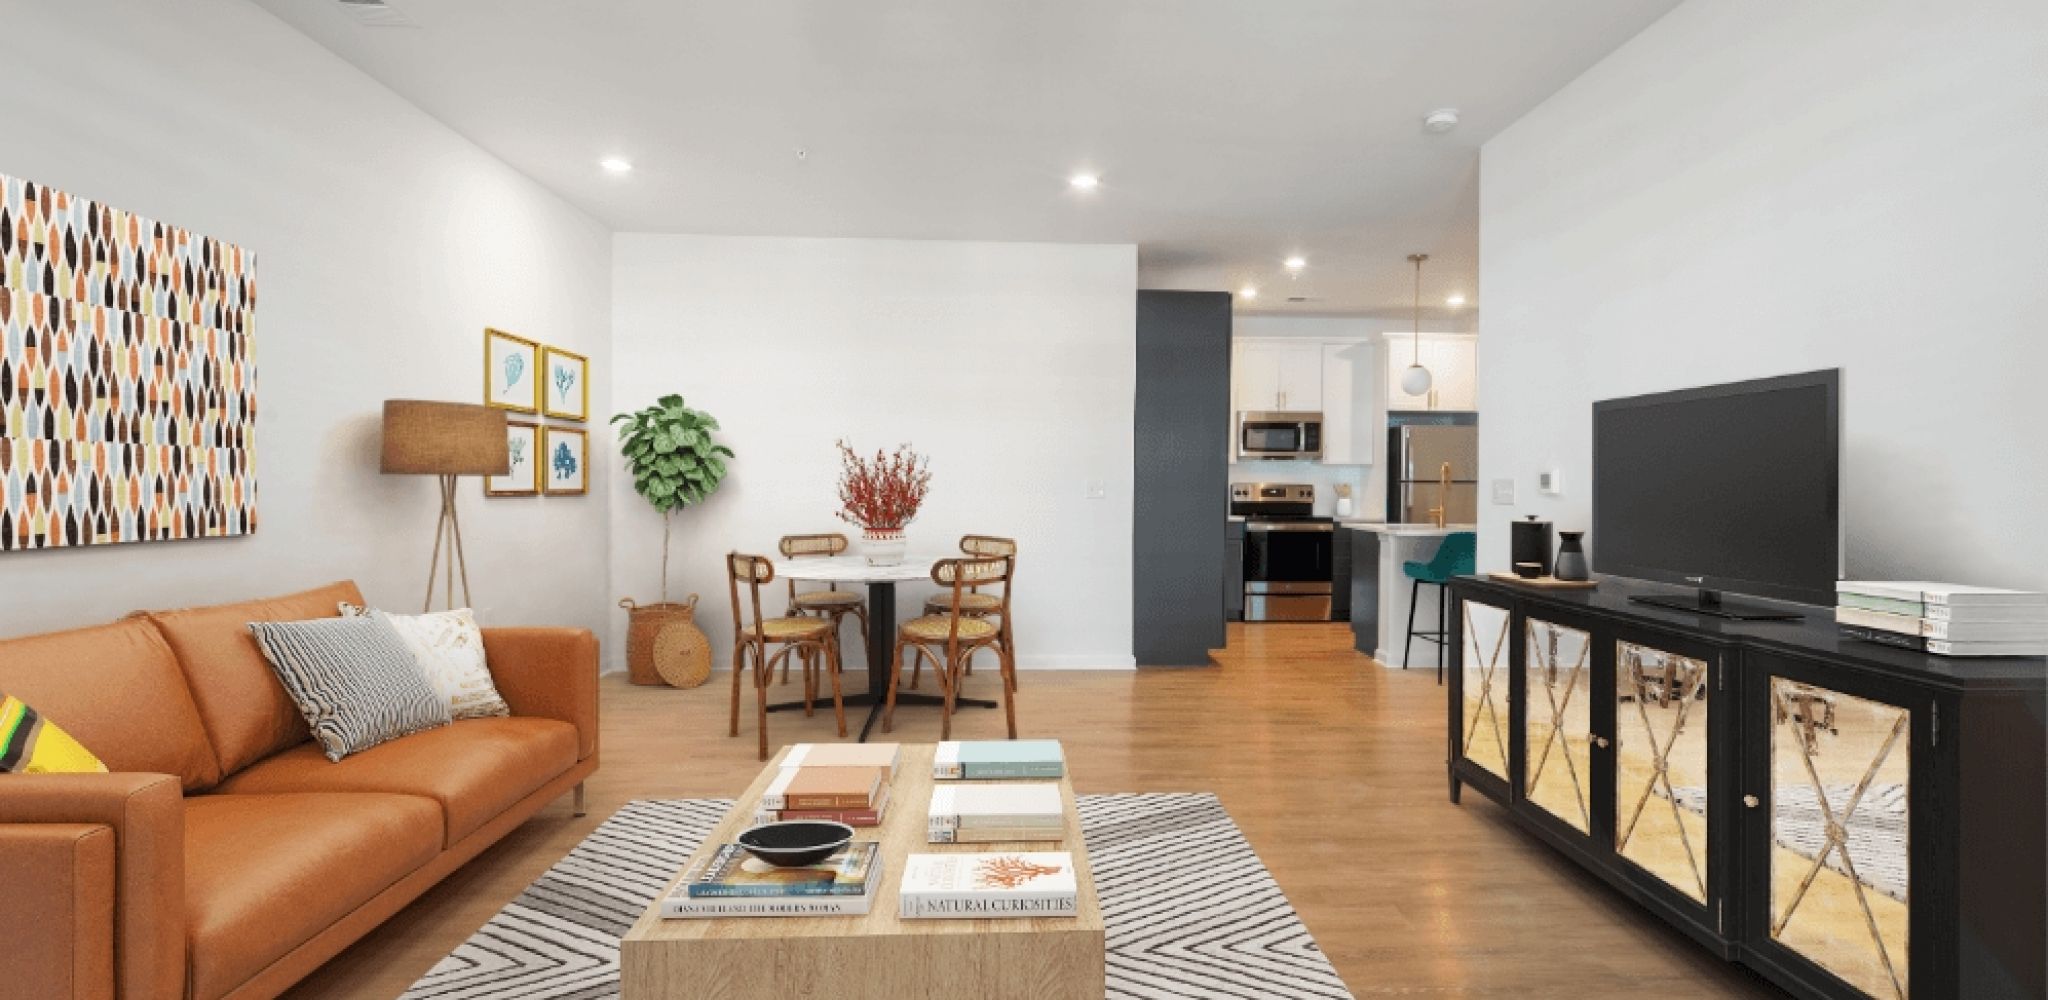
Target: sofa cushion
[
  {"x": 475, "y": 768},
  {"x": 248, "y": 716},
  {"x": 264, "y": 873},
  {"x": 353, "y": 679},
  {"x": 117, "y": 690},
  {"x": 31, "y": 744}
]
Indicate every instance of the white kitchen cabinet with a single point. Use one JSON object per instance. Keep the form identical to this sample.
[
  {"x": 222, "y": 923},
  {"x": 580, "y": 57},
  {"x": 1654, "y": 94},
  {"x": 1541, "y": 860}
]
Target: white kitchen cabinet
[
  {"x": 1453, "y": 363},
  {"x": 1277, "y": 375},
  {"x": 1350, "y": 420}
]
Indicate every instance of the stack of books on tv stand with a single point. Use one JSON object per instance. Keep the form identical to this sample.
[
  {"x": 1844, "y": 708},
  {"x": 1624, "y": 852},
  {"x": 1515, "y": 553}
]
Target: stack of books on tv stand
[{"x": 1947, "y": 619}]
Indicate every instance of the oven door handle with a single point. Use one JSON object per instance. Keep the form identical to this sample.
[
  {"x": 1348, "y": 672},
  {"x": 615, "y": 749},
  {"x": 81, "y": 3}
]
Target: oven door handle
[{"x": 1284, "y": 526}]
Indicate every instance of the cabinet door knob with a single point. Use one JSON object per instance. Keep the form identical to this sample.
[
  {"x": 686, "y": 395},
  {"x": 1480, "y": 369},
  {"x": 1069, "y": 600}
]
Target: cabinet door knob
[
  {"x": 1751, "y": 801},
  {"x": 1600, "y": 741}
]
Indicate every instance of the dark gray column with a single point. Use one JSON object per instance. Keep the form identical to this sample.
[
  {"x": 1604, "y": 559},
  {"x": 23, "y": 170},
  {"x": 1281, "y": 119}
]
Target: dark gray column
[{"x": 1181, "y": 502}]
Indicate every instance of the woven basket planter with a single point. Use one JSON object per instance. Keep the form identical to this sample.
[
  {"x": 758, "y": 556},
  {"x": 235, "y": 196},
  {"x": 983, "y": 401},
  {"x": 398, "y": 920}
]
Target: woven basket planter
[{"x": 664, "y": 644}]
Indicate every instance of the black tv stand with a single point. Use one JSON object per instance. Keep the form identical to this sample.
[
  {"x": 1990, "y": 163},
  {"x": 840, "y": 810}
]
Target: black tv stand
[{"x": 1708, "y": 602}]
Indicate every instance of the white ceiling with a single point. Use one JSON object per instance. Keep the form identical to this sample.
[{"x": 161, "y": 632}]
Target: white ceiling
[{"x": 1228, "y": 133}]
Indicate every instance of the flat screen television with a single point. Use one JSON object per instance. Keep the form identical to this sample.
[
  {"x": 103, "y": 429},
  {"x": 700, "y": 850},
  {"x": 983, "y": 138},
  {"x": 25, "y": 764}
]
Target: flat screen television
[{"x": 1723, "y": 488}]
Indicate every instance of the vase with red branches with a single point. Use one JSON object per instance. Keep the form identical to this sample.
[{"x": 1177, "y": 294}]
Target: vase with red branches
[{"x": 881, "y": 495}]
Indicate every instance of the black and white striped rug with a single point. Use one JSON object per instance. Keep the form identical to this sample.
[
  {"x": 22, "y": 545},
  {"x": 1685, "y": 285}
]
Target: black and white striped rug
[{"x": 1189, "y": 911}]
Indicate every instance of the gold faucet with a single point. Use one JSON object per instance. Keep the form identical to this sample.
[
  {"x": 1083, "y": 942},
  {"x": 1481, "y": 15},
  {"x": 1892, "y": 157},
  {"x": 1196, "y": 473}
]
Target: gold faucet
[{"x": 1443, "y": 495}]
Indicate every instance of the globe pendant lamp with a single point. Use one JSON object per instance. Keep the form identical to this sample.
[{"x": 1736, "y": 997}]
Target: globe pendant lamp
[{"x": 1416, "y": 380}]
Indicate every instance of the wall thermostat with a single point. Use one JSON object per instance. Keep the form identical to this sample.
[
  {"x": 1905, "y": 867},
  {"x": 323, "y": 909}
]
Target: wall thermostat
[{"x": 1549, "y": 483}]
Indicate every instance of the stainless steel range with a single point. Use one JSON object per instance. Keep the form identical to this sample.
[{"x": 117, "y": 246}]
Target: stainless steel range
[{"x": 1288, "y": 552}]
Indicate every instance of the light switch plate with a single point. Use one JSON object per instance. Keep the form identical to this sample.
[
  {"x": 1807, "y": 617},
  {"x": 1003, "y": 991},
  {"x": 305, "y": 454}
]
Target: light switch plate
[
  {"x": 1097, "y": 489},
  {"x": 1504, "y": 491},
  {"x": 1550, "y": 482}
]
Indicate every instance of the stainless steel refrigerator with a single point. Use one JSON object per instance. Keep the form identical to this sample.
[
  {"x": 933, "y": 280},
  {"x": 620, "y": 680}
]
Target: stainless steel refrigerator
[{"x": 1417, "y": 457}]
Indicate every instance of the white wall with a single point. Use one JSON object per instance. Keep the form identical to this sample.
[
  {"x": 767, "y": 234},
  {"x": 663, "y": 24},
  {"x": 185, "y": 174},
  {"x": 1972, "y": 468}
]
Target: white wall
[
  {"x": 1752, "y": 188},
  {"x": 384, "y": 245},
  {"x": 1011, "y": 365}
]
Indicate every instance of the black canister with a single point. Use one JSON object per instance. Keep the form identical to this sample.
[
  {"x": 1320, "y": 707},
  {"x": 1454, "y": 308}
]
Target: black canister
[{"x": 1529, "y": 542}]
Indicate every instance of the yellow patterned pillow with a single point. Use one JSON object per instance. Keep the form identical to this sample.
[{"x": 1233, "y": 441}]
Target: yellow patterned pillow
[{"x": 31, "y": 744}]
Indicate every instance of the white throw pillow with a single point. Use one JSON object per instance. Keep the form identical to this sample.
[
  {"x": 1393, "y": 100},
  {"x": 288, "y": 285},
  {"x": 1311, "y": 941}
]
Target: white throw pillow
[{"x": 450, "y": 649}]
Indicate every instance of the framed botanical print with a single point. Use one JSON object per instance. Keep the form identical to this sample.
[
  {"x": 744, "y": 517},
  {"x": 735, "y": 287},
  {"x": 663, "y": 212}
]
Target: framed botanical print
[
  {"x": 565, "y": 391},
  {"x": 522, "y": 443},
  {"x": 566, "y": 464},
  {"x": 511, "y": 372}
]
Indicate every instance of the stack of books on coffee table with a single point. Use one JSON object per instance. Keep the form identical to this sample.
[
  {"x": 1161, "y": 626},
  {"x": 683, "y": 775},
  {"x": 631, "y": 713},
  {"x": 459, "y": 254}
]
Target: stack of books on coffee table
[
  {"x": 995, "y": 813},
  {"x": 986, "y": 760},
  {"x": 1949, "y": 619},
  {"x": 842, "y": 782},
  {"x": 732, "y": 883}
]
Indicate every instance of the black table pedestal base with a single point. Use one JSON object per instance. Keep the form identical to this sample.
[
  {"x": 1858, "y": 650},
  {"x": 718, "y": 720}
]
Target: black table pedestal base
[{"x": 882, "y": 650}]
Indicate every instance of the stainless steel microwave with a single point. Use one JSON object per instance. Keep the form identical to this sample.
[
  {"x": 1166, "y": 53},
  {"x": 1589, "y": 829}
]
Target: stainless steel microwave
[{"x": 1280, "y": 434}]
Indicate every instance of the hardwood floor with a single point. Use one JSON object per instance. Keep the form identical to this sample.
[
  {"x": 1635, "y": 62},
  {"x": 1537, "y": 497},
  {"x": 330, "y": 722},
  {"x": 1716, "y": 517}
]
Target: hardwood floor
[{"x": 1331, "y": 765}]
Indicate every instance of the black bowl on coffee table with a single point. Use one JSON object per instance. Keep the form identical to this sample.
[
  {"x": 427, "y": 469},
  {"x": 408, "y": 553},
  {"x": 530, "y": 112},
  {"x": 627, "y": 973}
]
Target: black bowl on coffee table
[{"x": 793, "y": 843}]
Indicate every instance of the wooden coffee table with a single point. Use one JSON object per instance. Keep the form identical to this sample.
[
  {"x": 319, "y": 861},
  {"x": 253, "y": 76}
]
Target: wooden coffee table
[{"x": 879, "y": 955}]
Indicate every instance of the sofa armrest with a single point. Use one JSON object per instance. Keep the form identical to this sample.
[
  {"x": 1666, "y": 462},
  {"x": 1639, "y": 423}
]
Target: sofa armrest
[
  {"x": 145, "y": 813},
  {"x": 58, "y": 909},
  {"x": 548, "y": 673}
]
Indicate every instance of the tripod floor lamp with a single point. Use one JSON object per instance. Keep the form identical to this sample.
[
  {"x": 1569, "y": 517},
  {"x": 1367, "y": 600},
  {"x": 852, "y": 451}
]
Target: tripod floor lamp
[{"x": 447, "y": 440}]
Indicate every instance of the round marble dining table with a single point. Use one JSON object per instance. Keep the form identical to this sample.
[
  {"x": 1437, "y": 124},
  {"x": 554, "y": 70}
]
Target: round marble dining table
[{"x": 881, "y": 582}]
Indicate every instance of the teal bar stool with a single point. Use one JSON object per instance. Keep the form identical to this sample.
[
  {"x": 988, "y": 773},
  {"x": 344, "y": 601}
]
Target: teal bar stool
[{"x": 1457, "y": 556}]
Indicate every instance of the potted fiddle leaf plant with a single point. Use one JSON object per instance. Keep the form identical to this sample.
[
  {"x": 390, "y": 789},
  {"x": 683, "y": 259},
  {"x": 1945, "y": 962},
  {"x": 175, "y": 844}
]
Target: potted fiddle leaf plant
[
  {"x": 675, "y": 464},
  {"x": 881, "y": 495}
]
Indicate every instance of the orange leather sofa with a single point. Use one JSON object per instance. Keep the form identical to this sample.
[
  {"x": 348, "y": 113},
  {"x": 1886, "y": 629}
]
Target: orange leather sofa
[{"x": 224, "y": 856}]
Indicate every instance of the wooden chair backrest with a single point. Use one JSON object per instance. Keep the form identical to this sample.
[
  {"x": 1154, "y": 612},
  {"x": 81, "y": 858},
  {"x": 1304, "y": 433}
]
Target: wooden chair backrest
[
  {"x": 755, "y": 570},
  {"x": 824, "y": 544},
  {"x": 988, "y": 546},
  {"x": 964, "y": 575}
]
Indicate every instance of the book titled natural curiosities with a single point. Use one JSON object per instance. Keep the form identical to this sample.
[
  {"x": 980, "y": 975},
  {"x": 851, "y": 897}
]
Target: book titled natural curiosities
[{"x": 1002, "y": 884}]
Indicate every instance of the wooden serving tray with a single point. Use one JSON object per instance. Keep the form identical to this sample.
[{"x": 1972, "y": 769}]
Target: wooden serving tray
[{"x": 1543, "y": 582}]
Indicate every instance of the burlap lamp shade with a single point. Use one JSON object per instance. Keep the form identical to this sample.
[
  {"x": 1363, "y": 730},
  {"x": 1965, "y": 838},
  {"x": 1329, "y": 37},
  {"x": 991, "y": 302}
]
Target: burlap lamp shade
[
  {"x": 446, "y": 440},
  {"x": 425, "y": 437}
]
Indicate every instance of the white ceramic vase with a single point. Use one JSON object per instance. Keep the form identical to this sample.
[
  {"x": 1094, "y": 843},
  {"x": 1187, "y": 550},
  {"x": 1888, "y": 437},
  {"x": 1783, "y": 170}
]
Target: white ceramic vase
[{"x": 882, "y": 546}]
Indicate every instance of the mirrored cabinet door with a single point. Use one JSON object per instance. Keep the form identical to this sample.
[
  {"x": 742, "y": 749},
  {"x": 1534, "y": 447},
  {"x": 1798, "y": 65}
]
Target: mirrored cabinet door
[
  {"x": 1840, "y": 802},
  {"x": 1557, "y": 732},
  {"x": 1484, "y": 680},
  {"x": 1660, "y": 764}
]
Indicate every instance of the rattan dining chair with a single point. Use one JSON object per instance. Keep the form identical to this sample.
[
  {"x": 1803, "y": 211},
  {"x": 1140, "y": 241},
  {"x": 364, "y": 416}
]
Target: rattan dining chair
[
  {"x": 835, "y": 604},
  {"x": 813, "y": 639},
  {"x": 950, "y": 639},
  {"x": 973, "y": 602}
]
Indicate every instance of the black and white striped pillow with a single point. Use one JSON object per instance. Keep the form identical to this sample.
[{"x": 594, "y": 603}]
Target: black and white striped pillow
[{"x": 354, "y": 680}]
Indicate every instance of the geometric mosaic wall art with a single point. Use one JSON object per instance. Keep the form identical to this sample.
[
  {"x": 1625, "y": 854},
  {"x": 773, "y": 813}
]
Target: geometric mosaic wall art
[{"x": 127, "y": 376}]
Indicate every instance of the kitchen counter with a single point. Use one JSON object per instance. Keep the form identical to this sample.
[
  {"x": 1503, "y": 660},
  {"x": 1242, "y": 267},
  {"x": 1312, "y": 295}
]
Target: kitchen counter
[
  {"x": 1380, "y": 591},
  {"x": 1423, "y": 530}
]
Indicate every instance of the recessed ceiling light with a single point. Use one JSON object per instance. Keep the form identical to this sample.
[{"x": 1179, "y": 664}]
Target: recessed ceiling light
[
  {"x": 1296, "y": 263},
  {"x": 1456, "y": 299},
  {"x": 1248, "y": 292},
  {"x": 1084, "y": 182},
  {"x": 1441, "y": 120},
  {"x": 616, "y": 165}
]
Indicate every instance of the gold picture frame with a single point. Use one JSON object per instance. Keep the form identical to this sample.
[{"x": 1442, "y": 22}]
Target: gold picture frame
[
  {"x": 511, "y": 372},
  {"x": 523, "y": 445},
  {"x": 565, "y": 464},
  {"x": 565, "y": 380}
]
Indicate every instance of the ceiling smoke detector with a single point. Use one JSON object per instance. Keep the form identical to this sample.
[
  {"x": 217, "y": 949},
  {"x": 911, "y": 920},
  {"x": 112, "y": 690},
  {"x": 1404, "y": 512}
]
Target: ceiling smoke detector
[
  {"x": 376, "y": 14},
  {"x": 1441, "y": 120}
]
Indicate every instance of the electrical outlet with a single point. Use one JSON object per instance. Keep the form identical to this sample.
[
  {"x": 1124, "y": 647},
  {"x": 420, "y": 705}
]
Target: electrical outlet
[
  {"x": 1504, "y": 491},
  {"x": 1097, "y": 489}
]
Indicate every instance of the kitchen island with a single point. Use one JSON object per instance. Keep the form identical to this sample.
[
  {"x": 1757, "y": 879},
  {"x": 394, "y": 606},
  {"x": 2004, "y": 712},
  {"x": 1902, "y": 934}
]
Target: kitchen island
[{"x": 1380, "y": 591}]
